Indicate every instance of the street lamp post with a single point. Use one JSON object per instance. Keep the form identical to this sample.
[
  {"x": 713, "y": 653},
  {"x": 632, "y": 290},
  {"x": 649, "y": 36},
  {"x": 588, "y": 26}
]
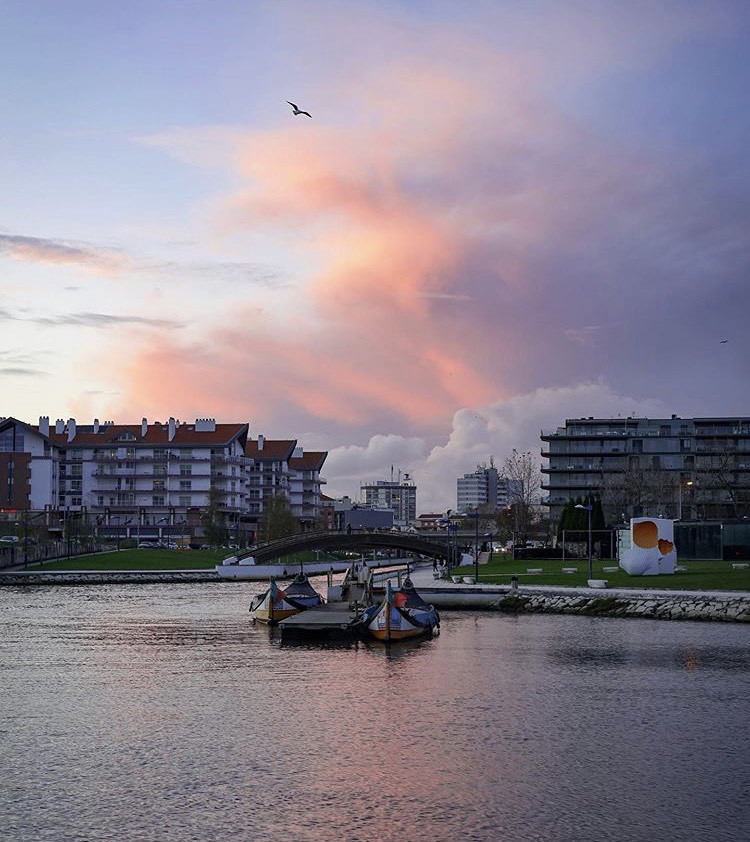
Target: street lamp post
[
  {"x": 679, "y": 497},
  {"x": 588, "y": 509},
  {"x": 476, "y": 545}
]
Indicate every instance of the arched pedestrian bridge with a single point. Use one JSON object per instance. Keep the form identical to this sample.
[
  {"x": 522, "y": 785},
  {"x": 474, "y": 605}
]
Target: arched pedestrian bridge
[{"x": 355, "y": 541}]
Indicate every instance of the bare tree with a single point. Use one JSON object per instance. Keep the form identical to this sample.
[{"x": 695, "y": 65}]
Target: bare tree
[
  {"x": 720, "y": 474},
  {"x": 523, "y": 471},
  {"x": 641, "y": 491}
]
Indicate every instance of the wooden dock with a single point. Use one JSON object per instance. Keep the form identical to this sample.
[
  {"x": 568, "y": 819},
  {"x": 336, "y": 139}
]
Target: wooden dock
[{"x": 331, "y": 618}]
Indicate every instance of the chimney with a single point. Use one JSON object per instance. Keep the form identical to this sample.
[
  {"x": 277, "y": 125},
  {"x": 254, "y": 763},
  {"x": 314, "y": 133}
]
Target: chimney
[
  {"x": 59, "y": 426},
  {"x": 96, "y": 425},
  {"x": 44, "y": 425},
  {"x": 205, "y": 425},
  {"x": 170, "y": 435},
  {"x": 71, "y": 429},
  {"x": 261, "y": 442},
  {"x": 144, "y": 427}
]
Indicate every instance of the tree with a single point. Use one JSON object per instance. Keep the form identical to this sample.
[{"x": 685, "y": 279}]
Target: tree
[
  {"x": 525, "y": 479},
  {"x": 721, "y": 480},
  {"x": 213, "y": 519},
  {"x": 277, "y": 520},
  {"x": 641, "y": 491},
  {"x": 504, "y": 524}
]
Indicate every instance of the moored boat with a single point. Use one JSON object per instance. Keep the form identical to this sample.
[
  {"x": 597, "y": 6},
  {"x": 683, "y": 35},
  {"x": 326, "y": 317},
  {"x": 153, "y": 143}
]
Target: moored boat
[
  {"x": 276, "y": 605},
  {"x": 301, "y": 592},
  {"x": 402, "y": 614}
]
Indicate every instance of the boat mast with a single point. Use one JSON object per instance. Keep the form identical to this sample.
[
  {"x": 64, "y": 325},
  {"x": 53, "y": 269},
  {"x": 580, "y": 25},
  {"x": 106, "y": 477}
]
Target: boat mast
[{"x": 388, "y": 601}]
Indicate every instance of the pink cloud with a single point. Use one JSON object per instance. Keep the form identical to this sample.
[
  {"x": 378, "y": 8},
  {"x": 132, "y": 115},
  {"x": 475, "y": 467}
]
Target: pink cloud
[{"x": 455, "y": 216}]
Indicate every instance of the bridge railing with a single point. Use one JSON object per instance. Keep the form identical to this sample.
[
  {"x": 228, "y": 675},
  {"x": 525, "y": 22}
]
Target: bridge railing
[{"x": 354, "y": 540}]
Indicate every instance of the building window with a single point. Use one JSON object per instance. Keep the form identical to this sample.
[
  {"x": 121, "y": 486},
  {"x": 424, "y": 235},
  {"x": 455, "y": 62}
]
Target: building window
[
  {"x": 157, "y": 500},
  {"x": 158, "y": 485},
  {"x": 100, "y": 500},
  {"x": 186, "y": 485},
  {"x": 185, "y": 501},
  {"x": 186, "y": 470}
]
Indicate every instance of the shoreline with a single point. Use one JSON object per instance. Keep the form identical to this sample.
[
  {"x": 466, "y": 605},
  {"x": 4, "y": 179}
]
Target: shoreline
[{"x": 659, "y": 604}]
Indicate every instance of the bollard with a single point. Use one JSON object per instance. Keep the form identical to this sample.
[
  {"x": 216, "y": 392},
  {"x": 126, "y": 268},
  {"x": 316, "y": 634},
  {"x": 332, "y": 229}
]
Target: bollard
[{"x": 514, "y": 582}]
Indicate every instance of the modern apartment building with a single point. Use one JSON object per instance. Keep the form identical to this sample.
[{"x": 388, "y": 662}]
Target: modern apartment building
[
  {"x": 268, "y": 472},
  {"x": 282, "y": 468},
  {"x": 483, "y": 487},
  {"x": 152, "y": 478},
  {"x": 684, "y": 468},
  {"x": 399, "y": 496},
  {"x": 304, "y": 486}
]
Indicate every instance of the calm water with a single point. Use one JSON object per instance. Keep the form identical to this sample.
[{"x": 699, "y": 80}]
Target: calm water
[{"x": 160, "y": 713}]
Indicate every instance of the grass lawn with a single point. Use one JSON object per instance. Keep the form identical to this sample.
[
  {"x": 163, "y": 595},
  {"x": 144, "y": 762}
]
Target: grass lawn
[
  {"x": 155, "y": 559},
  {"x": 699, "y": 576},
  {"x": 146, "y": 559}
]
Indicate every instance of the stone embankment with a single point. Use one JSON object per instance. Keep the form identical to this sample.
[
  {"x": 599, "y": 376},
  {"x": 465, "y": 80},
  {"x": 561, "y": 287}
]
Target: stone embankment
[
  {"x": 22, "y": 578},
  {"x": 680, "y": 606}
]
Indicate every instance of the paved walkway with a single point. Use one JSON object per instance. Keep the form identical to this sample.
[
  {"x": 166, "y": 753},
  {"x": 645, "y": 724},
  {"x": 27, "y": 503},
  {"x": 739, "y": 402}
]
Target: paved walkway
[{"x": 422, "y": 578}]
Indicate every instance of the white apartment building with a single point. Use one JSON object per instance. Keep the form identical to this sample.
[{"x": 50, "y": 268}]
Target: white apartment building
[
  {"x": 304, "y": 485},
  {"x": 154, "y": 477}
]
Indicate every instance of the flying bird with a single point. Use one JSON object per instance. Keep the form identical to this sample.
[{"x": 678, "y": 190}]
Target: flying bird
[
  {"x": 298, "y": 111},
  {"x": 723, "y": 342}
]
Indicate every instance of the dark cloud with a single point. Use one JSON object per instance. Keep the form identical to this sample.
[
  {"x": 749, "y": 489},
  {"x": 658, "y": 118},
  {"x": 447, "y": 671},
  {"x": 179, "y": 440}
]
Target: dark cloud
[
  {"x": 90, "y": 320},
  {"x": 103, "y": 320},
  {"x": 45, "y": 250},
  {"x": 22, "y": 372}
]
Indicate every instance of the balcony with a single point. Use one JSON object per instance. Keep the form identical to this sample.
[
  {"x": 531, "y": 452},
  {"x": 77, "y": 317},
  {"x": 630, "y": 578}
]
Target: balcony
[
  {"x": 722, "y": 432},
  {"x": 231, "y": 460}
]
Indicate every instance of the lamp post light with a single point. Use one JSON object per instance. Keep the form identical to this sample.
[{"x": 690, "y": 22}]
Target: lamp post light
[
  {"x": 160, "y": 533},
  {"x": 476, "y": 544},
  {"x": 679, "y": 497},
  {"x": 588, "y": 509}
]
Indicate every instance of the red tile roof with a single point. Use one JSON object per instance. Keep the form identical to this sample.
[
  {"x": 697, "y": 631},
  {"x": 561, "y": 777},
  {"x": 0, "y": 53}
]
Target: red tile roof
[
  {"x": 156, "y": 435},
  {"x": 273, "y": 450},
  {"x": 311, "y": 461}
]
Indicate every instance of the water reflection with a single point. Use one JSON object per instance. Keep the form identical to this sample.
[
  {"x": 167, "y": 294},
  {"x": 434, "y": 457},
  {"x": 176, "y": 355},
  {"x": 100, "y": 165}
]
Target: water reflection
[
  {"x": 163, "y": 713},
  {"x": 653, "y": 656}
]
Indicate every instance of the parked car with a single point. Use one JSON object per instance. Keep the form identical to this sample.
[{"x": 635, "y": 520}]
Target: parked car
[
  {"x": 10, "y": 539},
  {"x": 145, "y": 545}
]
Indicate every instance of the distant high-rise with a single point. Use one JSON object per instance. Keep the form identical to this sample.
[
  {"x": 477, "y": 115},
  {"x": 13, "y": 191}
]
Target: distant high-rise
[
  {"x": 400, "y": 496},
  {"x": 483, "y": 487}
]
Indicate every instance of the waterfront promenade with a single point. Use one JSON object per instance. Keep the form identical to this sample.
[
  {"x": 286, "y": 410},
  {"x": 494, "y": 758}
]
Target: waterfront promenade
[{"x": 714, "y": 605}]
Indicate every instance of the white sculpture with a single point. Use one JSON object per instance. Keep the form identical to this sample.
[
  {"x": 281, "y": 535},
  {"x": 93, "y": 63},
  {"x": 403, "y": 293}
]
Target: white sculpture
[{"x": 652, "y": 551}]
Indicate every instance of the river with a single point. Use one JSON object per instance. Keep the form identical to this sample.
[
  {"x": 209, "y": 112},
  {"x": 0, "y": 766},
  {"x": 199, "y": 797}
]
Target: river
[{"x": 159, "y": 713}]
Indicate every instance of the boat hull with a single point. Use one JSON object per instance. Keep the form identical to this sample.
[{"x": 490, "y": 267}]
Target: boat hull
[
  {"x": 402, "y": 624},
  {"x": 271, "y": 618},
  {"x": 398, "y": 634}
]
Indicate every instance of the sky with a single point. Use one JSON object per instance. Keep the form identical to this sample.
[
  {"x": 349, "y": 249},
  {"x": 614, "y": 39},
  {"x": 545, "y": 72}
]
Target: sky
[{"x": 500, "y": 215}]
